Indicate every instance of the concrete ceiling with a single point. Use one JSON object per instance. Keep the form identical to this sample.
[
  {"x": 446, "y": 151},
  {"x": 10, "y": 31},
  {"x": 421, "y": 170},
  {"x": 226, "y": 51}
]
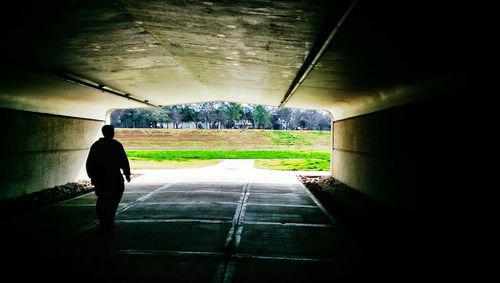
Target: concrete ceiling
[{"x": 187, "y": 51}]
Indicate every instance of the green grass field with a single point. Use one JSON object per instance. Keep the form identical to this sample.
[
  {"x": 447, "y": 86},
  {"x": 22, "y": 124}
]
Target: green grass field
[
  {"x": 181, "y": 155},
  {"x": 189, "y": 148},
  {"x": 265, "y": 159}
]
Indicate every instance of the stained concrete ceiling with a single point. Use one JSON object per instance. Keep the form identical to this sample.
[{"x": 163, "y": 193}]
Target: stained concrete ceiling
[{"x": 62, "y": 56}]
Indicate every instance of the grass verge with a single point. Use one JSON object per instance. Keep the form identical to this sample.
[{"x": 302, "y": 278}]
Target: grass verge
[
  {"x": 181, "y": 155},
  {"x": 290, "y": 160}
]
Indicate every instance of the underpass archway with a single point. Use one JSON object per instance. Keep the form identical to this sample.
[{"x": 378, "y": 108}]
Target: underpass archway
[{"x": 395, "y": 76}]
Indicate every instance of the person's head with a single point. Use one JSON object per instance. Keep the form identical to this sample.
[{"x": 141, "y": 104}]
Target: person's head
[{"x": 108, "y": 131}]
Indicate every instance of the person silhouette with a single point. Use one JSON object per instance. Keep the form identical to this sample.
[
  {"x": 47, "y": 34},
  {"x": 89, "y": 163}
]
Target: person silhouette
[{"x": 105, "y": 159}]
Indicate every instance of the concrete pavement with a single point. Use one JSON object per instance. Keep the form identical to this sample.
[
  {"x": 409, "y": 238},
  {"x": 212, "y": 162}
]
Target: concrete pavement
[{"x": 225, "y": 223}]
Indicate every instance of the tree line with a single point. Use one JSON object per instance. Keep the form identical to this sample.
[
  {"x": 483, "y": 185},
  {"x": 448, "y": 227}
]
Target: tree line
[{"x": 221, "y": 115}]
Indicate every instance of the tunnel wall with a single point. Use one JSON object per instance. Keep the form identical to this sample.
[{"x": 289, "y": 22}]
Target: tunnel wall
[
  {"x": 403, "y": 157},
  {"x": 40, "y": 151}
]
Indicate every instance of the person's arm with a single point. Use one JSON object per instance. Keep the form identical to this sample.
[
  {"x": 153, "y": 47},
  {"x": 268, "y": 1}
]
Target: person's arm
[
  {"x": 90, "y": 163},
  {"x": 124, "y": 164}
]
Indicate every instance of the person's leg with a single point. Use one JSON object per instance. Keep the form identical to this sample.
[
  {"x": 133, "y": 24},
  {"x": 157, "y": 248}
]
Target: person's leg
[
  {"x": 105, "y": 207},
  {"x": 100, "y": 206},
  {"x": 115, "y": 201}
]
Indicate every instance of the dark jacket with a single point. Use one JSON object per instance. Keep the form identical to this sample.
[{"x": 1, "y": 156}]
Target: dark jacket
[{"x": 106, "y": 158}]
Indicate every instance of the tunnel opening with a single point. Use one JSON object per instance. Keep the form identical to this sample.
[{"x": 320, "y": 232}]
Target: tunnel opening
[{"x": 202, "y": 134}]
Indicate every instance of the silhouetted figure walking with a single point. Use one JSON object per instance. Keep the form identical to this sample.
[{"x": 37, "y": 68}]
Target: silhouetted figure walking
[{"x": 105, "y": 159}]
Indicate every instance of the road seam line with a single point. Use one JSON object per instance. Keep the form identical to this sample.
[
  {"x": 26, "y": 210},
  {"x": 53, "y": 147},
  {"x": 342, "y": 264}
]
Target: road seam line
[
  {"x": 225, "y": 269},
  {"x": 93, "y": 224}
]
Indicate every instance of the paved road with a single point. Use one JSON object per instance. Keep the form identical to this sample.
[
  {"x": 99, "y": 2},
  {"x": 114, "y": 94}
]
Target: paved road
[{"x": 225, "y": 223}]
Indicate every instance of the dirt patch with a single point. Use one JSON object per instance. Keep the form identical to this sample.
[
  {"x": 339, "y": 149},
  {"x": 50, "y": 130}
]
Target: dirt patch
[
  {"x": 48, "y": 196},
  {"x": 221, "y": 139},
  {"x": 377, "y": 226},
  {"x": 393, "y": 242}
]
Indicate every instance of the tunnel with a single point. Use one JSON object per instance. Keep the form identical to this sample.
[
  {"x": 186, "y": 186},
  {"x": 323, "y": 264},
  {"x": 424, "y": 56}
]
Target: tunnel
[{"x": 391, "y": 73}]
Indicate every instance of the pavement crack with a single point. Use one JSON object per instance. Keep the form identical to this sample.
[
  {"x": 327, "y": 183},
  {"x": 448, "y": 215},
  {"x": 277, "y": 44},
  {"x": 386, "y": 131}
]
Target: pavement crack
[{"x": 226, "y": 267}]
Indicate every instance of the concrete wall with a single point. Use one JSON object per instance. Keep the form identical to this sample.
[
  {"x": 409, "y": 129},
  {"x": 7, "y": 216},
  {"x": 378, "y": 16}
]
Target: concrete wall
[
  {"x": 39, "y": 151},
  {"x": 401, "y": 157}
]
